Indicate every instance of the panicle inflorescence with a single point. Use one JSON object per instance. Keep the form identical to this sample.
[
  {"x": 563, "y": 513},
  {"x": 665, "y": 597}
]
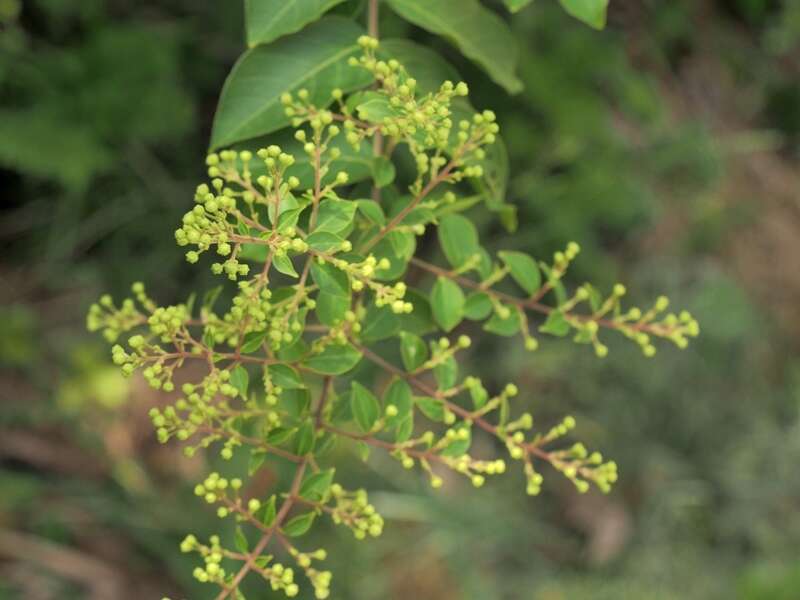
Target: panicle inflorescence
[{"x": 322, "y": 288}]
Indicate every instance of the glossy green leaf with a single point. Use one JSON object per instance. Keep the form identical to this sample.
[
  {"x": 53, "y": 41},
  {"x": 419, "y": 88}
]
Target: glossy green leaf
[
  {"x": 283, "y": 264},
  {"x": 591, "y": 12},
  {"x": 505, "y": 327},
  {"x": 304, "y": 442},
  {"x": 447, "y": 303},
  {"x": 555, "y": 324},
  {"x": 267, "y": 20},
  {"x": 253, "y": 341},
  {"x": 419, "y": 320},
  {"x": 458, "y": 447},
  {"x": 240, "y": 380},
  {"x": 523, "y": 269},
  {"x": 458, "y": 239},
  {"x": 315, "y": 487},
  {"x": 446, "y": 373},
  {"x": 334, "y": 359},
  {"x": 334, "y": 298},
  {"x": 314, "y": 58},
  {"x": 380, "y": 323},
  {"x": 285, "y": 377},
  {"x": 479, "y": 395},
  {"x": 365, "y": 407},
  {"x": 430, "y": 407},
  {"x": 335, "y": 215},
  {"x": 478, "y": 306},
  {"x": 398, "y": 394},
  {"x": 240, "y": 541},
  {"x": 372, "y": 211},
  {"x": 324, "y": 241},
  {"x": 299, "y": 524},
  {"x": 478, "y": 32},
  {"x": 270, "y": 512},
  {"x": 413, "y": 351}
]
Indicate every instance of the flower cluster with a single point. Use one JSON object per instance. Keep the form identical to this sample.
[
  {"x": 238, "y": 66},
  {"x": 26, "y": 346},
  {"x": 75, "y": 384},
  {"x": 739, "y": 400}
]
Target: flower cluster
[{"x": 321, "y": 287}]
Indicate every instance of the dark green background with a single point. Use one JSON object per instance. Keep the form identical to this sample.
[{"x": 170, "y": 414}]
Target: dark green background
[{"x": 666, "y": 145}]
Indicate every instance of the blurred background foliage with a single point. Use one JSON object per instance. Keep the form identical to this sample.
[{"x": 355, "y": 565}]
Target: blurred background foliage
[{"x": 667, "y": 146}]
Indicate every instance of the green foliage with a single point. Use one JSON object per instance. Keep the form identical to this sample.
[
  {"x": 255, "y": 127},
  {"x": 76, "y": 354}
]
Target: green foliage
[
  {"x": 267, "y": 20},
  {"x": 478, "y": 33},
  {"x": 285, "y": 365}
]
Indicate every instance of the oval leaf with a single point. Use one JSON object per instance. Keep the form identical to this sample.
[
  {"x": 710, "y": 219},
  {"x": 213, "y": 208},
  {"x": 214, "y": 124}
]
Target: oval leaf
[
  {"x": 479, "y": 33},
  {"x": 334, "y": 359},
  {"x": 458, "y": 239},
  {"x": 315, "y": 58},
  {"x": 447, "y": 303},
  {"x": 523, "y": 269},
  {"x": 365, "y": 406},
  {"x": 267, "y": 20}
]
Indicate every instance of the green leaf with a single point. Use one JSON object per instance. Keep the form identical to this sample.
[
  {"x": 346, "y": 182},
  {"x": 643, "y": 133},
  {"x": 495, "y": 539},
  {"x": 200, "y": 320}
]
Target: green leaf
[
  {"x": 383, "y": 171},
  {"x": 267, "y": 20},
  {"x": 591, "y": 12},
  {"x": 380, "y": 323},
  {"x": 398, "y": 394},
  {"x": 240, "y": 380},
  {"x": 413, "y": 351},
  {"x": 295, "y": 401},
  {"x": 523, "y": 269},
  {"x": 256, "y": 460},
  {"x": 315, "y": 487},
  {"x": 365, "y": 406},
  {"x": 428, "y": 68},
  {"x": 458, "y": 447},
  {"x": 334, "y": 359},
  {"x": 278, "y": 435},
  {"x": 284, "y": 265},
  {"x": 372, "y": 107},
  {"x": 334, "y": 298},
  {"x": 331, "y": 308},
  {"x": 478, "y": 306},
  {"x": 430, "y": 407},
  {"x": 330, "y": 279},
  {"x": 314, "y": 58},
  {"x": 269, "y": 512},
  {"x": 446, "y": 373},
  {"x": 240, "y": 541},
  {"x": 447, "y": 303},
  {"x": 505, "y": 327},
  {"x": 516, "y": 5},
  {"x": 372, "y": 211},
  {"x": 556, "y": 324},
  {"x": 253, "y": 341},
  {"x": 419, "y": 320},
  {"x": 285, "y": 376},
  {"x": 335, "y": 215},
  {"x": 458, "y": 239},
  {"x": 479, "y": 33},
  {"x": 299, "y": 525},
  {"x": 305, "y": 438},
  {"x": 324, "y": 241},
  {"x": 479, "y": 395}
]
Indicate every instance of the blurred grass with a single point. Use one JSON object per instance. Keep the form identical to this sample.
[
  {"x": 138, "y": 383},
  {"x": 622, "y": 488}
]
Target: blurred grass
[{"x": 666, "y": 146}]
